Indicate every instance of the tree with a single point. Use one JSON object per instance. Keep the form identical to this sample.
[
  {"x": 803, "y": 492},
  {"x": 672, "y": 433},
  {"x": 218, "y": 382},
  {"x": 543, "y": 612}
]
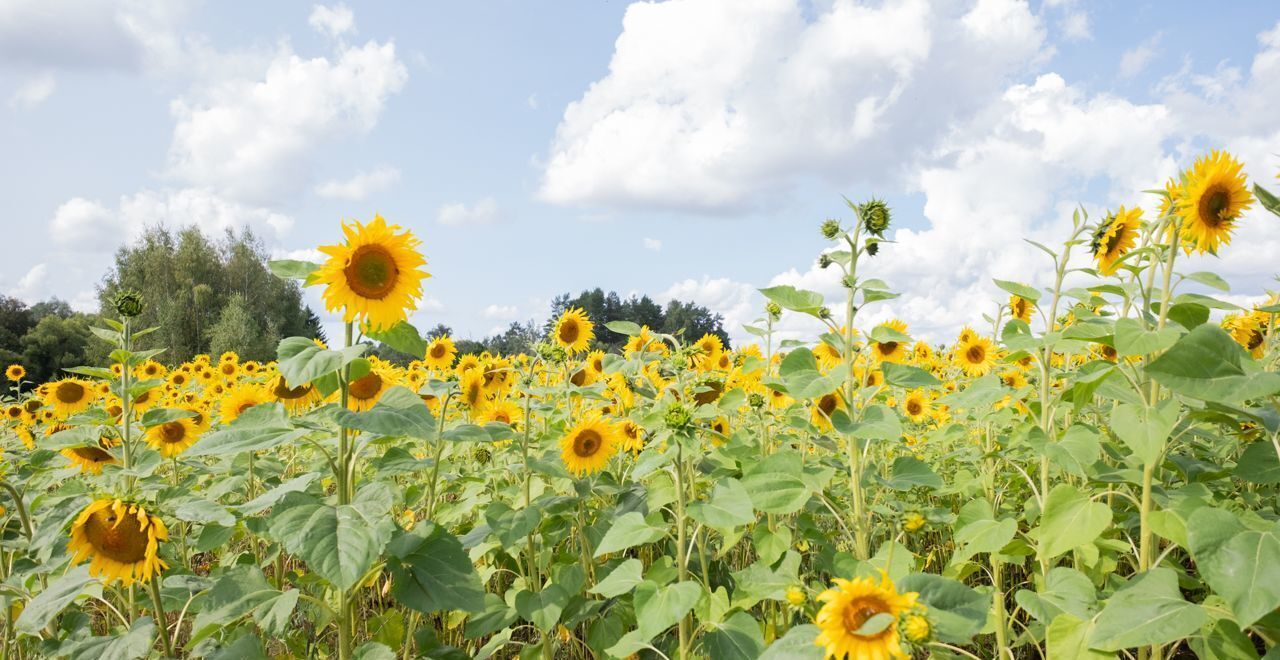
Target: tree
[
  {"x": 15, "y": 321},
  {"x": 239, "y": 331},
  {"x": 55, "y": 343},
  {"x": 687, "y": 319}
]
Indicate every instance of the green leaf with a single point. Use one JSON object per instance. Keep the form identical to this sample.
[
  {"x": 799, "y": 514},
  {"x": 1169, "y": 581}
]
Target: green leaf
[
  {"x": 982, "y": 536},
  {"x": 628, "y": 328},
  {"x": 775, "y": 484},
  {"x": 543, "y": 608},
  {"x": 271, "y": 497},
  {"x": 261, "y": 427},
  {"x": 956, "y": 611},
  {"x": 243, "y": 591},
  {"x": 133, "y": 644},
  {"x": 908, "y": 472},
  {"x": 1065, "y": 591},
  {"x": 878, "y": 422},
  {"x": 1149, "y": 610},
  {"x": 659, "y": 608},
  {"x": 761, "y": 580},
  {"x": 200, "y": 510},
  {"x": 905, "y": 375},
  {"x": 158, "y": 416},
  {"x": 339, "y": 543},
  {"x": 1242, "y": 565},
  {"x": 1207, "y": 364},
  {"x": 292, "y": 269},
  {"x": 1145, "y": 430},
  {"x": 1269, "y": 201},
  {"x": 302, "y": 361},
  {"x": 1133, "y": 339},
  {"x": 883, "y": 334},
  {"x": 1020, "y": 290},
  {"x": 1068, "y": 637},
  {"x": 629, "y": 530},
  {"x": 800, "y": 375},
  {"x": 738, "y": 638},
  {"x": 1188, "y": 315},
  {"x": 1070, "y": 520},
  {"x": 730, "y": 507},
  {"x": 797, "y": 644},
  {"x": 622, "y": 579},
  {"x": 796, "y": 300},
  {"x": 399, "y": 412},
  {"x": 56, "y": 597},
  {"x": 1210, "y": 280},
  {"x": 1258, "y": 464},
  {"x": 430, "y": 571},
  {"x": 403, "y": 337}
]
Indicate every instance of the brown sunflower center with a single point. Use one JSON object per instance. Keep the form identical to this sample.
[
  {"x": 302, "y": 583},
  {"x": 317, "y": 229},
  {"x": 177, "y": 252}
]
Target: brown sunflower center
[
  {"x": 438, "y": 351},
  {"x": 914, "y": 407},
  {"x": 1213, "y": 205},
  {"x": 371, "y": 272},
  {"x": 1109, "y": 352},
  {"x": 283, "y": 391},
  {"x": 94, "y": 454},
  {"x": 587, "y": 443},
  {"x": 859, "y": 612},
  {"x": 579, "y": 377},
  {"x": 1255, "y": 339},
  {"x": 976, "y": 354},
  {"x": 887, "y": 348},
  {"x": 366, "y": 386},
  {"x": 121, "y": 539},
  {"x": 502, "y": 416},
  {"x": 174, "y": 432},
  {"x": 228, "y": 369},
  {"x": 568, "y": 331},
  {"x": 827, "y": 404},
  {"x": 69, "y": 391}
]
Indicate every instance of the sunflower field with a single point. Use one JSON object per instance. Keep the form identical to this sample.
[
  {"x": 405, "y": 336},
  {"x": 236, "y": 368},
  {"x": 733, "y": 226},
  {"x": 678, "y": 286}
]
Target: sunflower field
[{"x": 1092, "y": 473}]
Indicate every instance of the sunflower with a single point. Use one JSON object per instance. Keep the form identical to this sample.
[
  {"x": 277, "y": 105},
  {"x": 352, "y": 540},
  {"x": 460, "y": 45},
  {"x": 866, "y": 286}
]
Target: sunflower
[
  {"x": 15, "y": 372},
  {"x": 574, "y": 330},
  {"x": 503, "y": 412},
  {"x": 467, "y": 363},
  {"x": 917, "y": 406},
  {"x": 823, "y": 408},
  {"x": 172, "y": 438},
  {"x": 1214, "y": 197},
  {"x": 471, "y": 384},
  {"x": 295, "y": 399},
  {"x": 1249, "y": 330},
  {"x": 241, "y": 398},
  {"x": 375, "y": 276},
  {"x": 587, "y": 447},
  {"x": 1116, "y": 235},
  {"x": 69, "y": 397},
  {"x": 90, "y": 459},
  {"x": 365, "y": 391},
  {"x": 632, "y": 437},
  {"x": 890, "y": 351},
  {"x": 150, "y": 369},
  {"x": 440, "y": 353},
  {"x": 848, "y": 606},
  {"x": 122, "y": 540},
  {"x": 1020, "y": 308},
  {"x": 975, "y": 355},
  {"x": 228, "y": 370}
]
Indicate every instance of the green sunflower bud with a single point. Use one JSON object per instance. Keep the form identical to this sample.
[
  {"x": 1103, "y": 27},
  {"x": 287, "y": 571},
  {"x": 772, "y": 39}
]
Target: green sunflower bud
[
  {"x": 128, "y": 303},
  {"x": 875, "y": 216},
  {"x": 831, "y": 229},
  {"x": 824, "y": 260},
  {"x": 773, "y": 309},
  {"x": 678, "y": 418}
]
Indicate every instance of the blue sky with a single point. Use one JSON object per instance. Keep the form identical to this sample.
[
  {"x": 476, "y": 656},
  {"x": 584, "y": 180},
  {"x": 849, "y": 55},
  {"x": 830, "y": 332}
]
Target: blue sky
[{"x": 686, "y": 148}]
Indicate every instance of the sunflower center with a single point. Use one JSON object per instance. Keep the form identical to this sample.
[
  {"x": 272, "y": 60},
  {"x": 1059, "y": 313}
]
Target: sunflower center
[
  {"x": 579, "y": 377},
  {"x": 859, "y": 612},
  {"x": 121, "y": 539},
  {"x": 69, "y": 391},
  {"x": 283, "y": 391},
  {"x": 827, "y": 404},
  {"x": 976, "y": 354},
  {"x": 438, "y": 351},
  {"x": 1255, "y": 339},
  {"x": 568, "y": 331},
  {"x": 1213, "y": 205},
  {"x": 887, "y": 348},
  {"x": 913, "y": 408},
  {"x": 174, "y": 432},
  {"x": 502, "y": 416},
  {"x": 587, "y": 443},
  {"x": 366, "y": 387},
  {"x": 95, "y": 454},
  {"x": 371, "y": 272}
]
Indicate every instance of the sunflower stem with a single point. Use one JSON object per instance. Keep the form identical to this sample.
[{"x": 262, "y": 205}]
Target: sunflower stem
[
  {"x": 861, "y": 542},
  {"x": 162, "y": 620},
  {"x": 344, "y": 497}
]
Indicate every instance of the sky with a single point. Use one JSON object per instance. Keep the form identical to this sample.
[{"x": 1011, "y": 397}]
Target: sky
[{"x": 684, "y": 149}]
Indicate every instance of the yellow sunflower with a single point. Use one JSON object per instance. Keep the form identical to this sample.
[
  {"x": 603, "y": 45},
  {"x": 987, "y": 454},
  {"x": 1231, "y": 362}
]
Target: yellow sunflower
[
  {"x": 376, "y": 276},
  {"x": 823, "y": 408},
  {"x": 890, "y": 351},
  {"x": 90, "y": 459},
  {"x": 1214, "y": 197},
  {"x": 295, "y": 399},
  {"x": 150, "y": 369},
  {"x": 1249, "y": 330},
  {"x": 1116, "y": 235},
  {"x": 587, "y": 447},
  {"x": 917, "y": 406},
  {"x": 241, "y": 398},
  {"x": 976, "y": 355},
  {"x": 632, "y": 437},
  {"x": 574, "y": 331},
  {"x": 503, "y": 412},
  {"x": 122, "y": 541},
  {"x": 367, "y": 389},
  {"x": 173, "y": 438},
  {"x": 15, "y": 372},
  {"x": 1019, "y": 308},
  {"x": 848, "y": 606},
  {"x": 471, "y": 385},
  {"x": 440, "y": 354},
  {"x": 70, "y": 396}
]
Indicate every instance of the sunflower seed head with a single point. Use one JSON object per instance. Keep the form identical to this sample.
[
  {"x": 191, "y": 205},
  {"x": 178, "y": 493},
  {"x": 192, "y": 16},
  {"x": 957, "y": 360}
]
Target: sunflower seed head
[
  {"x": 875, "y": 216},
  {"x": 128, "y": 303}
]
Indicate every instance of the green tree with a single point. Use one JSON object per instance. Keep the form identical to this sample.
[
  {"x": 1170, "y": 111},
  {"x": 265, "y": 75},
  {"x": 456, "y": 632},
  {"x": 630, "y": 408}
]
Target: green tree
[
  {"x": 15, "y": 321},
  {"x": 240, "y": 331},
  {"x": 55, "y": 343}
]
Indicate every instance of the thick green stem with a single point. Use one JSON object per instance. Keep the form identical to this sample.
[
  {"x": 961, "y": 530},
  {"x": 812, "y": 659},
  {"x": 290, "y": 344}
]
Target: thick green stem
[
  {"x": 682, "y": 563},
  {"x": 162, "y": 621},
  {"x": 345, "y": 623}
]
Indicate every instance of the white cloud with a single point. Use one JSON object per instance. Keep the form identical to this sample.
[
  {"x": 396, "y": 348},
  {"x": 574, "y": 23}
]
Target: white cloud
[
  {"x": 334, "y": 21},
  {"x": 1075, "y": 26},
  {"x": 89, "y": 34},
  {"x": 532, "y": 101},
  {"x": 252, "y": 138},
  {"x": 712, "y": 105},
  {"x": 89, "y": 225},
  {"x": 501, "y": 312},
  {"x": 737, "y": 302},
  {"x": 457, "y": 214},
  {"x": 32, "y": 281},
  {"x": 653, "y": 244},
  {"x": 361, "y": 185},
  {"x": 34, "y": 91},
  {"x": 1134, "y": 60}
]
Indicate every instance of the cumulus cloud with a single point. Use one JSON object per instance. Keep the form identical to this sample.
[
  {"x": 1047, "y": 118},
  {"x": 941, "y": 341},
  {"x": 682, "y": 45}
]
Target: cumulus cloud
[
  {"x": 716, "y": 105},
  {"x": 1134, "y": 60},
  {"x": 361, "y": 185},
  {"x": 1075, "y": 26},
  {"x": 34, "y": 91},
  {"x": 90, "y": 225},
  {"x": 501, "y": 312},
  {"x": 252, "y": 138},
  {"x": 458, "y": 214},
  {"x": 334, "y": 21}
]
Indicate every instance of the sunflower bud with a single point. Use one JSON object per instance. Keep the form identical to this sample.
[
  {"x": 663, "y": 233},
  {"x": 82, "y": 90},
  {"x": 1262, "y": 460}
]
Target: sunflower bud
[
  {"x": 755, "y": 400},
  {"x": 916, "y": 628},
  {"x": 875, "y": 216},
  {"x": 480, "y": 455},
  {"x": 824, "y": 313},
  {"x": 831, "y": 229},
  {"x": 773, "y": 309},
  {"x": 824, "y": 260},
  {"x": 872, "y": 247},
  {"x": 677, "y": 418},
  {"x": 795, "y": 596},
  {"x": 128, "y": 303},
  {"x": 550, "y": 352},
  {"x": 849, "y": 281}
]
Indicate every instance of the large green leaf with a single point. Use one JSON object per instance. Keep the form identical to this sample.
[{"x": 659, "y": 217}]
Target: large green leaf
[
  {"x": 729, "y": 507},
  {"x": 53, "y": 599},
  {"x": 622, "y": 579},
  {"x": 737, "y": 638},
  {"x": 301, "y": 360},
  {"x": 339, "y": 543},
  {"x": 1068, "y": 637},
  {"x": 1207, "y": 364},
  {"x": 796, "y": 300},
  {"x": 1145, "y": 430},
  {"x": 1149, "y": 610},
  {"x": 133, "y": 644},
  {"x": 797, "y": 644},
  {"x": 1242, "y": 565},
  {"x": 629, "y": 530},
  {"x": 1070, "y": 520},
  {"x": 399, "y": 412},
  {"x": 981, "y": 536},
  {"x": 775, "y": 484},
  {"x": 403, "y": 337},
  {"x": 431, "y": 572},
  {"x": 1133, "y": 339},
  {"x": 909, "y": 472},
  {"x": 659, "y": 608},
  {"x": 240, "y": 592},
  {"x": 543, "y": 608},
  {"x": 1065, "y": 591},
  {"x": 905, "y": 375},
  {"x": 261, "y": 427},
  {"x": 292, "y": 269},
  {"x": 957, "y": 612},
  {"x": 1020, "y": 290}
]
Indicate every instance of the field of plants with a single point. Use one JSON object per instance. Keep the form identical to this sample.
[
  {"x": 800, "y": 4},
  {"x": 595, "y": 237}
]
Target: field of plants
[{"x": 1092, "y": 473}]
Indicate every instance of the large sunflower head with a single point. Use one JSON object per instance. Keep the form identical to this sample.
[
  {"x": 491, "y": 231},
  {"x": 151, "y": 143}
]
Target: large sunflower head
[
  {"x": 69, "y": 396},
  {"x": 976, "y": 355},
  {"x": 295, "y": 399},
  {"x": 15, "y": 372},
  {"x": 121, "y": 540},
  {"x": 1116, "y": 235},
  {"x": 917, "y": 405},
  {"x": 1214, "y": 196},
  {"x": 851, "y": 621},
  {"x": 367, "y": 389},
  {"x": 241, "y": 398},
  {"x": 173, "y": 438},
  {"x": 440, "y": 354},
  {"x": 574, "y": 330},
  {"x": 587, "y": 447},
  {"x": 375, "y": 277}
]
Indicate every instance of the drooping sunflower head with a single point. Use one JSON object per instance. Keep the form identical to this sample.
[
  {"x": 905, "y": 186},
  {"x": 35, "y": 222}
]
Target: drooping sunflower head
[
  {"x": 121, "y": 541},
  {"x": 440, "y": 354},
  {"x": 975, "y": 356},
  {"x": 1214, "y": 196},
  {"x": 587, "y": 447},
  {"x": 1020, "y": 308},
  {"x": 1115, "y": 236},
  {"x": 91, "y": 458},
  {"x": 295, "y": 399},
  {"x": 859, "y": 619},
  {"x": 70, "y": 396},
  {"x": 367, "y": 389},
  {"x": 15, "y": 372},
  {"x": 574, "y": 330},
  {"x": 375, "y": 276}
]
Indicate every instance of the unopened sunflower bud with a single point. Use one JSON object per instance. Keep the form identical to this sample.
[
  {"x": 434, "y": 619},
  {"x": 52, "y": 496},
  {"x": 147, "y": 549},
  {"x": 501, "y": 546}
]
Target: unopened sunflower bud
[
  {"x": 774, "y": 310},
  {"x": 875, "y": 216},
  {"x": 756, "y": 400},
  {"x": 128, "y": 303},
  {"x": 873, "y": 247},
  {"x": 831, "y": 229},
  {"x": 824, "y": 260},
  {"x": 677, "y": 418},
  {"x": 824, "y": 313}
]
